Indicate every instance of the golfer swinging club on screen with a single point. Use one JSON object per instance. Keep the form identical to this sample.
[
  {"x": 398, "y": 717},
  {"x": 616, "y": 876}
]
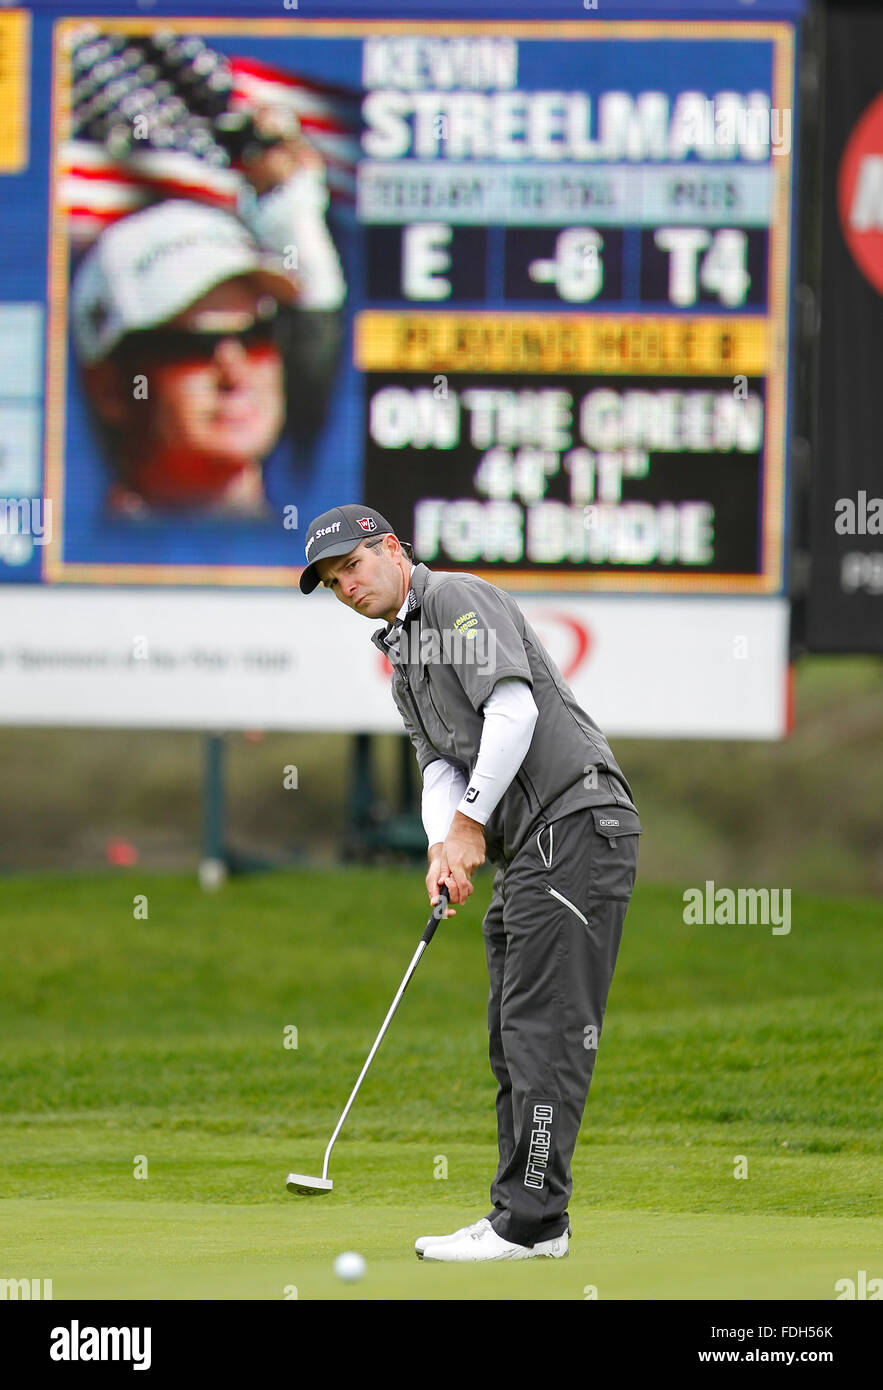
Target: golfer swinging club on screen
[{"x": 514, "y": 771}]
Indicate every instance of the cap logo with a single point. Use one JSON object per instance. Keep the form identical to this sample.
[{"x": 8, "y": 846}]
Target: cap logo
[
  {"x": 323, "y": 531},
  {"x": 229, "y": 238},
  {"x": 367, "y": 523}
]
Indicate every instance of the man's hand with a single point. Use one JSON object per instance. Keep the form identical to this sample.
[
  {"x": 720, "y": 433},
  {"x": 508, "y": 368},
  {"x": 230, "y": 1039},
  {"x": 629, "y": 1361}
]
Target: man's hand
[
  {"x": 273, "y": 166},
  {"x": 439, "y": 870},
  {"x": 454, "y": 862}
]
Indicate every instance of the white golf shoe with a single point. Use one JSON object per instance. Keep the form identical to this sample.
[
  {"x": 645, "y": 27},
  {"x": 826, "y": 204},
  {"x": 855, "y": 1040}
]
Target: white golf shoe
[
  {"x": 484, "y": 1244},
  {"x": 422, "y": 1242}
]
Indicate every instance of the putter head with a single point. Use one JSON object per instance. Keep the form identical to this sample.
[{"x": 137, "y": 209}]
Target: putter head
[{"x": 296, "y": 1182}]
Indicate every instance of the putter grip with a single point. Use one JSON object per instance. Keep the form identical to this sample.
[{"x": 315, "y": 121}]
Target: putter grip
[{"x": 436, "y": 917}]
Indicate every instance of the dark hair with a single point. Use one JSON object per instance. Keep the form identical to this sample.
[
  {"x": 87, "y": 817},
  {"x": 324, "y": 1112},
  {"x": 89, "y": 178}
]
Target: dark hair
[{"x": 406, "y": 545}]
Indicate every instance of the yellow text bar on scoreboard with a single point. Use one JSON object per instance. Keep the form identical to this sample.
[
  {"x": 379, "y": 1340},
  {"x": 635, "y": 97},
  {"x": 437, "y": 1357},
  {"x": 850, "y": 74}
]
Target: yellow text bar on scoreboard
[
  {"x": 15, "y": 30},
  {"x": 614, "y": 343}
]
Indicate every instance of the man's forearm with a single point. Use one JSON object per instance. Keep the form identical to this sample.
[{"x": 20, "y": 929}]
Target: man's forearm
[
  {"x": 459, "y": 824},
  {"x": 443, "y": 788}
]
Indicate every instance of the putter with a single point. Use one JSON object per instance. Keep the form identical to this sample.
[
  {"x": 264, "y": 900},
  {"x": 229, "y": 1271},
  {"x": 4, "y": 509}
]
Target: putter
[{"x": 297, "y": 1182}]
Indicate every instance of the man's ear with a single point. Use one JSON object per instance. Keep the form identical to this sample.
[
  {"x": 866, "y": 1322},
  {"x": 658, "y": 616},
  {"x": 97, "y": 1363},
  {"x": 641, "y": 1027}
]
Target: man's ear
[{"x": 107, "y": 392}]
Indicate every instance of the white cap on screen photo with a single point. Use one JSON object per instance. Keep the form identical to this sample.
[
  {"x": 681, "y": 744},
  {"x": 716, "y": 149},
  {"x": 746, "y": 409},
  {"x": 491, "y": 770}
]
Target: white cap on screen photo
[{"x": 149, "y": 266}]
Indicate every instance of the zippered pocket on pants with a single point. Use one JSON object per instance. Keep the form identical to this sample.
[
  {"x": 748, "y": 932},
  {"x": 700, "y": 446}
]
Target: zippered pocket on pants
[{"x": 567, "y": 903}]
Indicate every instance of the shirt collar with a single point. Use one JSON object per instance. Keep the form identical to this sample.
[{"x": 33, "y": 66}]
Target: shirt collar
[
  {"x": 384, "y": 637},
  {"x": 408, "y": 603}
]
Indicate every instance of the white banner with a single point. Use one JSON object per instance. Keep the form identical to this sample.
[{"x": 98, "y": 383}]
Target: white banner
[{"x": 678, "y": 667}]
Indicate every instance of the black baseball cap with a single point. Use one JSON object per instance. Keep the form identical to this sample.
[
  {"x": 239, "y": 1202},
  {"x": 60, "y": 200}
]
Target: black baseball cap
[{"x": 337, "y": 532}]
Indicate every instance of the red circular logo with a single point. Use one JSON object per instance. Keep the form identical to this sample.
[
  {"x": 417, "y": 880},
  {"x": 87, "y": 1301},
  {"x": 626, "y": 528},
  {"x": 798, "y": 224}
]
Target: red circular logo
[{"x": 860, "y": 193}]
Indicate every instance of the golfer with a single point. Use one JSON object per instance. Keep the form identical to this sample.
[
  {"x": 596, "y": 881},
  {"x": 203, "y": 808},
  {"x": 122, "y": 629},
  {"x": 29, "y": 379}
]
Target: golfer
[{"x": 514, "y": 771}]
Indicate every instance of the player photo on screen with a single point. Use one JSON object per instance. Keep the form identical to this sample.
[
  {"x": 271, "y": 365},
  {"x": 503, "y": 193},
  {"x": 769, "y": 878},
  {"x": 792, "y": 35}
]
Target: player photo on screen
[{"x": 176, "y": 301}]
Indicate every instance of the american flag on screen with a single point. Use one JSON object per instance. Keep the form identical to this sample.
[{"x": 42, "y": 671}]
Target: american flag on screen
[{"x": 167, "y": 117}]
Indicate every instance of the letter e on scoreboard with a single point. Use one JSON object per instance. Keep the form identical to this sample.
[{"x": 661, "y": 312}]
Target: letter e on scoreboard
[{"x": 424, "y": 257}]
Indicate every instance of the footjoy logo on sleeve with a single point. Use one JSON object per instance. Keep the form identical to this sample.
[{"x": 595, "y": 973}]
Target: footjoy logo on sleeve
[
  {"x": 76, "y": 1343},
  {"x": 540, "y": 1140}
]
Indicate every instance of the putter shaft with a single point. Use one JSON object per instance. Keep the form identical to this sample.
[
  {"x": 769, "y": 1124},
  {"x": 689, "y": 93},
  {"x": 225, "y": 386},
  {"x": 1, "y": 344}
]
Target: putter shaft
[{"x": 438, "y": 912}]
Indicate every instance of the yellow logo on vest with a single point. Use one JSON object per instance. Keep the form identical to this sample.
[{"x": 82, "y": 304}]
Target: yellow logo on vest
[{"x": 466, "y": 624}]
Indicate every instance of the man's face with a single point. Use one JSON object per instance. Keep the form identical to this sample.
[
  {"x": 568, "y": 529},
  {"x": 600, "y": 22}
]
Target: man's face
[
  {"x": 224, "y": 400},
  {"x": 369, "y": 580}
]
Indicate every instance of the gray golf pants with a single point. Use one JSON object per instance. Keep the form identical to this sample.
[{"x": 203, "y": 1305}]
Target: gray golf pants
[{"x": 552, "y": 933}]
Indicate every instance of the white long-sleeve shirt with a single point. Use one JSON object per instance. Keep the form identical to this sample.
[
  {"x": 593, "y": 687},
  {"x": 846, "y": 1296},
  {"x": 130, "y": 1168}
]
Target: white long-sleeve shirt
[{"x": 509, "y": 718}]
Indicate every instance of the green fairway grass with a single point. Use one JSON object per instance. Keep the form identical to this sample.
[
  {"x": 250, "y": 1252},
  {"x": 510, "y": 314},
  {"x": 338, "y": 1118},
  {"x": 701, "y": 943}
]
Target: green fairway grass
[{"x": 157, "y": 1045}]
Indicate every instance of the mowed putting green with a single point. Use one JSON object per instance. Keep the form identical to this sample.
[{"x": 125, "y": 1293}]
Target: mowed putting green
[{"x": 160, "y": 1075}]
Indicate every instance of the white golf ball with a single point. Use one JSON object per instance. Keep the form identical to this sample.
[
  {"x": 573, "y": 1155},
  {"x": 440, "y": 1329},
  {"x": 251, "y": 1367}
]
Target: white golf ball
[
  {"x": 212, "y": 874},
  {"x": 349, "y": 1266}
]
